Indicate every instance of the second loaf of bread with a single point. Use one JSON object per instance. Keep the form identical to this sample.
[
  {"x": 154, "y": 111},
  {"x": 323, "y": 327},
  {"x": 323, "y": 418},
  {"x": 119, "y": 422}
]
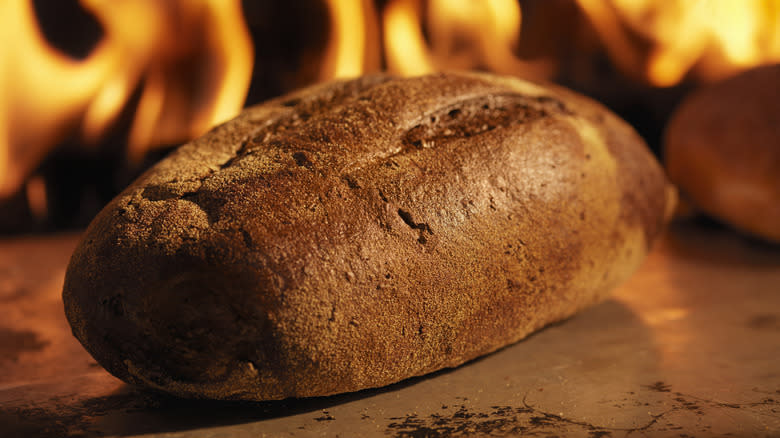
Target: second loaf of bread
[{"x": 361, "y": 232}]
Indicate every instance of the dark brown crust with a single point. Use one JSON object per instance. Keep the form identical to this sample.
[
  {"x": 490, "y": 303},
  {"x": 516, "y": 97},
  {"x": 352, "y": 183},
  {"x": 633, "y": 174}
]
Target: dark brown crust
[{"x": 359, "y": 233}]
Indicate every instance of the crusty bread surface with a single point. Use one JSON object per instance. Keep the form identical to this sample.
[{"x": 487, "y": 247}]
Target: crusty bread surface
[{"x": 361, "y": 232}]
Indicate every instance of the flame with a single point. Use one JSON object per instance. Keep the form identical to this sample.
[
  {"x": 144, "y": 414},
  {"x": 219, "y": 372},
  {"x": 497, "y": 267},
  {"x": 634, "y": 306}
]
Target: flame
[
  {"x": 663, "y": 41},
  {"x": 404, "y": 41},
  {"x": 464, "y": 34},
  {"x": 41, "y": 95},
  {"x": 353, "y": 47},
  {"x": 191, "y": 60}
]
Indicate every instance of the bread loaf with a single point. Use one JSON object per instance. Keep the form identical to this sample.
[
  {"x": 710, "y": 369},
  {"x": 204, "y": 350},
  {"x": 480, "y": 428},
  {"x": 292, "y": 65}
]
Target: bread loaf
[
  {"x": 722, "y": 149},
  {"x": 362, "y": 232}
]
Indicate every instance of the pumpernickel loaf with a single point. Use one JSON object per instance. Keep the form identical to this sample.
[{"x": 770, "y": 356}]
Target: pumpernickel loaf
[{"x": 361, "y": 232}]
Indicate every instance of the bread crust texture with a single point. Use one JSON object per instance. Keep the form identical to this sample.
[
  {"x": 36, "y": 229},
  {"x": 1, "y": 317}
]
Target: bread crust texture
[{"x": 357, "y": 233}]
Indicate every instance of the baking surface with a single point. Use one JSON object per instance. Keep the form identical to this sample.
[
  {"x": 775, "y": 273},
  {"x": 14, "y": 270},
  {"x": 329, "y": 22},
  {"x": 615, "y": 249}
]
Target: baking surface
[{"x": 690, "y": 346}]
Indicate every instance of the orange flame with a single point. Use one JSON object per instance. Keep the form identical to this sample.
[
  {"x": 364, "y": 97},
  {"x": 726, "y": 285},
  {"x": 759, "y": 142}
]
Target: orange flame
[
  {"x": 35, "y": 112},
  {"x": 464, "y": 34},
  {"x": 353, "y": 47},
  {"x": 662, "y": 41},
  {"x": 191, "y": 59}
]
